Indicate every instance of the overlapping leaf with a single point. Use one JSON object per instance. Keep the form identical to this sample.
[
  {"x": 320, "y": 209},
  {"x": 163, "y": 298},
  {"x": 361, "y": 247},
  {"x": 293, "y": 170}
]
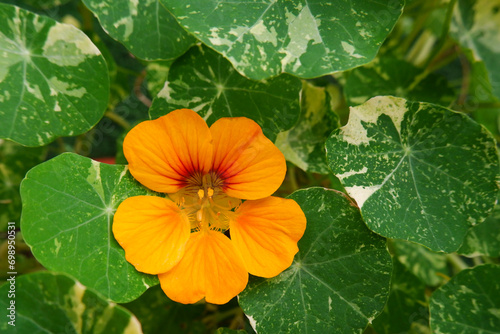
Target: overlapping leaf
[
  {"x": 68, "y": 207},
  {"x": 475, "y": 25},
  {"x": 406, "y": 310},
  {"x": 408, "y": 166},
  {"x": 205, "y": 82},
  {"x": 304, "y": 144},
  {"x": 391, "y": 76},
  {"x": 47, "y": 302},
  {"x": 468, "y": 303},
  {"x": 54, "y": 81},
  {"x": 146, "y": 28},
  {"x": 304, "y": 38},
  {"x": 339, "y": 280},
  {"x": 15, "y": 161}
]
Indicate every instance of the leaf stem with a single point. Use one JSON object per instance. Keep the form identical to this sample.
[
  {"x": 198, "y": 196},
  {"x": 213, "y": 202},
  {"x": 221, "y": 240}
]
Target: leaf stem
[
  {"x": 457, "y": 262},
  {"x": 118, "y": 119}
]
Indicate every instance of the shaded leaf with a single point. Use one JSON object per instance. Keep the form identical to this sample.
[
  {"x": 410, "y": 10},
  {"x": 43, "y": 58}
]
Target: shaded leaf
[
  {"x": 468, "y": 303},
  {"x": 304, "y": 144},
  {"x": 68, "y": 207},
  {"x": 47, "y": 302},
  {"x": 304, "y": 38},
  {"x": 391, "y": 76},
  {"x": 205, "y": 82},
  {"x": 475, "y": 25},
  {"x": 54, "y": 81},
  {"x": 339, "y": 280},
  {"x": 408, "y": 166},
  {"x": 146, "y": 28}
]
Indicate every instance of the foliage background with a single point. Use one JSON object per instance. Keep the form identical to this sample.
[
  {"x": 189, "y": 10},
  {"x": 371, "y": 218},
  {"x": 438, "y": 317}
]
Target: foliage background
[{"x": 407, "y": 239}]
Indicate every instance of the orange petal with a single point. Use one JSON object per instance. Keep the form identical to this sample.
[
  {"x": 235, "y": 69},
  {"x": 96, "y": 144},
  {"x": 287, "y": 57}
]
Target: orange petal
[
  {"x": 265, "y": 234},
  {"x": 163, "y": 153},
  {"x": 152, "y": 231},
  {"x": 251, "y": 165},
  {"x": 210, "y": 268}
]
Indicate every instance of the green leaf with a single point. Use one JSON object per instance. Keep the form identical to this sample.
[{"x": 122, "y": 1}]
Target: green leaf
[
  {"x": 68, "y": 207},
  {"x": 54, "y": 81},
  {"x": 205, "y": 82},
  {"x": 156, "y": 75},
  {"x": 158, "y": 314},
  {"x": 475, "y": 25},
  {"x": 339, "y": 280},
  {"x": 304, "y": 38},
  {"x": 409, "y": 167},
  {"x": 391, "y": 76},
  {"x": 229, "y": 331},
  {"x": 146, "y": 28},
  {"x": 304, "y": 144},
  {"x": 47, "y": 302},
  {"x": 484, "y": 238},
  {"x": 406, "y": 309},
  {"x": 428, "y": 266},
  {"x": 468, "y": 303},
  {"x": 45, "y": 4},
  {"x": 15, "y": 161}
]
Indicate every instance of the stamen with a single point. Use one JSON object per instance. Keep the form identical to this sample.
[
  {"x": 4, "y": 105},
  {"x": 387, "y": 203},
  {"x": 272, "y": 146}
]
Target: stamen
[
  {"x": 201, "y": 193},
  {"x": 210, "y": 192}
]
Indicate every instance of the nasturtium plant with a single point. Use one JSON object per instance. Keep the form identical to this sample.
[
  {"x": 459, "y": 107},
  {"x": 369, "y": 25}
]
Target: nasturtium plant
[
  {"x": 305, "y": 38},
  {"x": 53, "y": 79},
  {"x": 78, "y": 197},
  {"x": 49, "y": 302},
  {"x": 205, "y": 82},
  {"x": 130, "y": 131},
  {"x": 339, "y": 280},
  {"x": 389, "y": 154},
  {"x": 146, "y": 28},
  {"x": 469, "y": 302}
]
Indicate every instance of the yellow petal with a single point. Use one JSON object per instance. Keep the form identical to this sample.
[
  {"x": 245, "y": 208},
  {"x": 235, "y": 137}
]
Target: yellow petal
[
  {"x": 163, "y": 153},
  {"x": 265, "y": 233},
  {"x": 251, "y": 166},
  {"x": 152, "y": 231},
  {"x": 210, "y": 268}
]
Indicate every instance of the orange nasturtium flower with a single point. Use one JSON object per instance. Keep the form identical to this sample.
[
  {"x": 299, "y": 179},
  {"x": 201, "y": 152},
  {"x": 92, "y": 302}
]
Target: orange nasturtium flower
[{"x": 206, "y": 172}]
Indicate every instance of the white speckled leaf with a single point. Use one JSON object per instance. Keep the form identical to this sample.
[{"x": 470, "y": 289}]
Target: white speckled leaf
[
  {"x": 202, "y": 80},
  {"x": 304, "y": 144},
  {"x": 406, "y": 308},
  {"x": 468, "y": 303},
  {"x": 391, "y": 76},
  {"x": 47, "y": 302},
  {"x": 304, "y": 38},
  {"x": 476, "y": 25},
  {"x": 53, "y": 80},
  {"x": 15, "y": 161},
  {"x": 68, "y": 207},
  {"x": 145, "y": 27},
  {"x": 339, "y": 280},
  {"x": 484, "y": 239},
  {"x": 418, "y": 171},
  {"x": 430, "y": 267}
]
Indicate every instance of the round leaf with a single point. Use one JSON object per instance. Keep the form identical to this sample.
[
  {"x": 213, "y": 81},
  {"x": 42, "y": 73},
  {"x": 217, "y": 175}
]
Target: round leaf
[
  {"x": 205, "y": 82},
  {"x": 146, "y": 28},
  {"x": 304, "y": 38},
  {"x": 47, "y": 302},
  {"x": 475, "y": 25},
  {"x": 468, "y": 303},
  {"x": 339, "y": 280},
  {"x": 304, "y": 144},
  {"x": 54, "y": 81},
  {"x": 68, "y": 207},
  {"x": 408, "y": 166}
]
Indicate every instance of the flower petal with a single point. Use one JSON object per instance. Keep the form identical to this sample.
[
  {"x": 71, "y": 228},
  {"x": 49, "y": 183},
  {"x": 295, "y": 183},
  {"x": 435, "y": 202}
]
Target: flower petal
[
  {"x": 152, "y": 231},
  {"x": 210, "y": 268},
  {"x": 251, "y": 165},
  {"x": 163, "y": 153},
  {"x": 265, "y": 234}
]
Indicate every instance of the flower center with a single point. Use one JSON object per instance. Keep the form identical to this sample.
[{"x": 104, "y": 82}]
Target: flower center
[{"x": 206, "y": 204}]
